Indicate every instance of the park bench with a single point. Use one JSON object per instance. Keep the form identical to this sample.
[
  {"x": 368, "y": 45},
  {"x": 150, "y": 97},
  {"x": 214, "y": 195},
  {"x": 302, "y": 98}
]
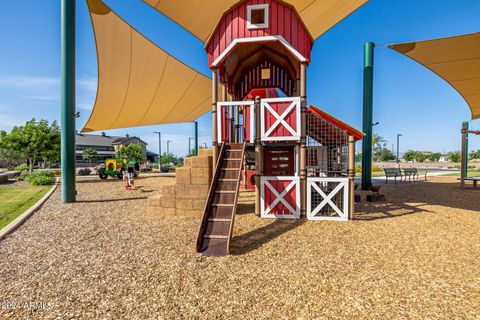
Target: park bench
[
  {"x": 393, "y": 173},
  {"x": 413, "y": 173},
  {"x": 474, "y": 180}
]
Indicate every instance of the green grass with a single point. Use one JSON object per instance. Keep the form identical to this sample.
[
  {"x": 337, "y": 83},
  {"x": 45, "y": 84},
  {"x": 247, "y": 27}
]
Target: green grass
[
  {"x": 470, "y": 174},
  {"x": 17, "y": 200}
]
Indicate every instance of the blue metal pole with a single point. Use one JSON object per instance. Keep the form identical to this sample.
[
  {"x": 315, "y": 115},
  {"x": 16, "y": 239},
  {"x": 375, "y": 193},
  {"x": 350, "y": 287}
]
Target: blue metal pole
[
  {"x": 68, "y": 100},
  {"x": 367, "y": 115}
]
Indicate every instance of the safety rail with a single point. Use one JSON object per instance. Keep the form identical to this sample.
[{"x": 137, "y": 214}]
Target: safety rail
[
  {"x": 236, "y": 121},
  {"x": 327, "y": 198}
]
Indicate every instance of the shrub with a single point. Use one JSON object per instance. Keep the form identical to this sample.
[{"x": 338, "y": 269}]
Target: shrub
[
  {"x": 84, "y": 172},
  {"x": 22, "y": 167},
  {"x": 22, "y": 176},
  {"x": 40, "y": 178}
]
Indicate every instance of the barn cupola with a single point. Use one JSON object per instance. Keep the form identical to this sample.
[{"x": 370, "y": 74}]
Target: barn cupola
[{"x": 259, "y": 44}]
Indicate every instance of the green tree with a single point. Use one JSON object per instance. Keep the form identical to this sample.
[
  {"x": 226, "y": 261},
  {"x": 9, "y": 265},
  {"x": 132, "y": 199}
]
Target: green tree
[
  {"x": 474, "y": 154},
  {"x": 378, "y": 141},
  {"x": 435, "y": 156},
  {"x": 455, "y": 156},
  {"x": 384, "y": 154},
  {"x": 410, "y": 155},
  {"x": 51, "y": 148},
  {"x": 35, "y": 140},
  {"x": 89, "y": 155},
  {"x": 132, "y": 152},
  {"x": 420, "y": 157}
]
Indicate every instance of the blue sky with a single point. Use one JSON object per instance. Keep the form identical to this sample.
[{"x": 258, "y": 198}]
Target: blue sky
[{"x": 408, "y": 98}]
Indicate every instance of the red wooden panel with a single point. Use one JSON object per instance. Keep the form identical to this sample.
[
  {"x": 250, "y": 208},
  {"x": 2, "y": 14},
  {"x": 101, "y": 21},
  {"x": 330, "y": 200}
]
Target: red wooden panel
[
  {"x": 225, "y": 127},
  {"x": 283, "y": 21},
  {"x": 290, "y": 197},
  {"x": 246, "y": 122}
]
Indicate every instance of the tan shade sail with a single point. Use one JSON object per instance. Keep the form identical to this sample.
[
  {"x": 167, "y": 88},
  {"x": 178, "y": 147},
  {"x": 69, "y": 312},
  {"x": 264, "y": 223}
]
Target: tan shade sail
[
  {"x": 139, "y": 84},
  {"x": 200, "y": 17},
  {"x": 455, "y": 59}
]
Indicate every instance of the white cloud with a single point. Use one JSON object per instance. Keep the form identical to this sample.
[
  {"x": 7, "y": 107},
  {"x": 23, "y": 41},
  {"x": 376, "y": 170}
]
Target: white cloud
[
  {"x": 7, "y": 121},
  {"x": 47, "y": 89}
]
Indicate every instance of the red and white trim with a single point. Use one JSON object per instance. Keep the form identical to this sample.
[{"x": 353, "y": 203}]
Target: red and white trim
[
  {"x": 295, "y": 134},
  {"x": 280, "y": 39}
]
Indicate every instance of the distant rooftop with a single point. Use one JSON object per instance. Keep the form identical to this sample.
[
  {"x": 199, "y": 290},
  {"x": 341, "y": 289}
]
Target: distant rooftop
[{"x": 101, "y": 139}]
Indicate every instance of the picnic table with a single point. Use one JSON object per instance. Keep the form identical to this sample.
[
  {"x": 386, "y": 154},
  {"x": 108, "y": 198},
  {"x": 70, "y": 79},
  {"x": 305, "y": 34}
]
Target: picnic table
[{"x": 474, "y": 180}]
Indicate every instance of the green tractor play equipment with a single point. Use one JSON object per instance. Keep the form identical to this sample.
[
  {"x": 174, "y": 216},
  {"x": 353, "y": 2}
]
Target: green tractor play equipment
[{"x": 117, "y": 167}]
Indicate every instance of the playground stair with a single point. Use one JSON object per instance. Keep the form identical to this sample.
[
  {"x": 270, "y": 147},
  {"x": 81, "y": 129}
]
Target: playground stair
[{"x": 221, "y": 205}]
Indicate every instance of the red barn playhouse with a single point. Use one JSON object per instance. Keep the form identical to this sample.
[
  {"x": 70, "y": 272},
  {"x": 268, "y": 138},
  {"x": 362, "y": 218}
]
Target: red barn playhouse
[{"x": 303, "y": 157}]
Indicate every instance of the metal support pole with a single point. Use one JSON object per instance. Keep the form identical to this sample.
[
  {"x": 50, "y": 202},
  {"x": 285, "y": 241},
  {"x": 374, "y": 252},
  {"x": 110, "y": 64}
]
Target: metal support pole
[
  {"x": 351, "y": 176},
  {"x": 367, "y": 115},
  {"x": 214, "y": 116},
  {"x": 68, "y": 100},
  {"x": 398, "y": 149},
  {"x": 303, "y": 140},
  {"x": 258, "y": 156},
  {"x": 196, "y": 139},
  {"x": 464, "y": 160},
  {"x": 159, "y": 150}
]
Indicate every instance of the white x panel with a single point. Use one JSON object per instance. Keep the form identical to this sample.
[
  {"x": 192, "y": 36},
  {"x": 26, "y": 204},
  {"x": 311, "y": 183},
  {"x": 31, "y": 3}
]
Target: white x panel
[
  {"x": 294, "y": 209},
  {"x": 312, "y": 187},
  {"x": 266, "y": 108}
]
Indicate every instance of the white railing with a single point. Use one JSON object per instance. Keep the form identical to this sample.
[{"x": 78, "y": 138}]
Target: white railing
[
  {"x": 225, "y": 106},
  {"x": 283, "y": 120},
  {"x": 325, "y": 202},
  {"x": 273, "y": 193}
]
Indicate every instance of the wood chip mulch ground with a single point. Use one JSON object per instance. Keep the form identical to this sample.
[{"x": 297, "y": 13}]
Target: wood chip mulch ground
[{"x": 414, "y": 256}]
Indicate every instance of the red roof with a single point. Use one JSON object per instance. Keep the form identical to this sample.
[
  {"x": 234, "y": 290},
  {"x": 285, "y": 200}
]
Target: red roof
[{"x": 357, "y": 134}]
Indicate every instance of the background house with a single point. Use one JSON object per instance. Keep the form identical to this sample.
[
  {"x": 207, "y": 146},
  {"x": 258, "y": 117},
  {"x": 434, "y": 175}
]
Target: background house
[{"x": 107, "y": 146}]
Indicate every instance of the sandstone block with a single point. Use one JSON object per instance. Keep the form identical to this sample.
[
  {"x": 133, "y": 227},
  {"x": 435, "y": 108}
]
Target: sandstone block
[
  {"x": 154, "y": 201},
  {"x": 202, "y": 162},
  {"x": 198, "y": 192},
  {"x": 193, "y": 213},
  {"x": 188, "y": 162},
  {"x": 198, "y": 204},
  {"x": 205, "y": 152},
  {"x": 167, "y": 190},
  {"x": 168, "y": 202},
  {"x": 152, "y": 209},
  {"x": 166, "y": 212},
  {"x": 183, "y": 175},
  {"x": 184, "y": 204}
]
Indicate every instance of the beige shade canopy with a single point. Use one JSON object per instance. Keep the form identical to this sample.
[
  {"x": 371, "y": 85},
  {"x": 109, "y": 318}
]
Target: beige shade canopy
[
  {"x": 139, "y": 84},
  {"x": 455, "y": 59},
  {"x": 200, "y": 17}
]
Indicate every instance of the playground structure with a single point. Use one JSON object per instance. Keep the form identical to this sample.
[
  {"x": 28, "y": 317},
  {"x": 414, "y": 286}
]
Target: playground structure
[
  {"x": 303, "y": 157},
  {"x": 464, "y": 160},
  {"x": 258, "y": 51}
]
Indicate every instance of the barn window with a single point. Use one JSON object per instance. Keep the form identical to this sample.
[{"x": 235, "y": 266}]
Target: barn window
[{"x": 257, "y": 16}]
